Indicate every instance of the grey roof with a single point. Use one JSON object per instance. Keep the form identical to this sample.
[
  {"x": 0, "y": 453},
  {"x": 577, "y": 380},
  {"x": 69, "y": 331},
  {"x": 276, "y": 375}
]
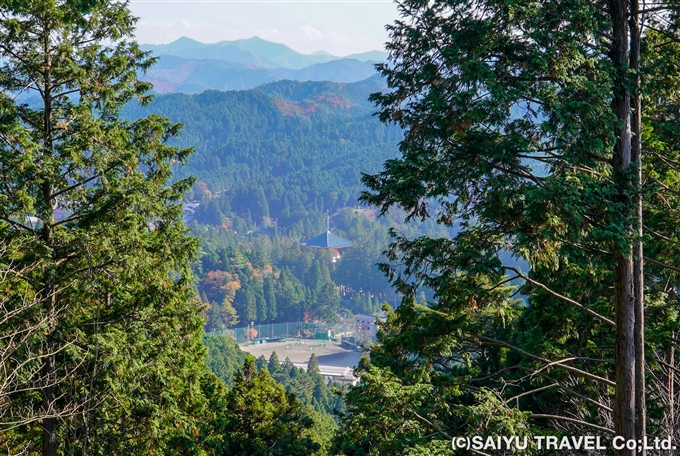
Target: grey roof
[
  {"x": 327, "y": 240},
  {"x": 380, "y": 316},
  {"x": 331, "y": 371}
]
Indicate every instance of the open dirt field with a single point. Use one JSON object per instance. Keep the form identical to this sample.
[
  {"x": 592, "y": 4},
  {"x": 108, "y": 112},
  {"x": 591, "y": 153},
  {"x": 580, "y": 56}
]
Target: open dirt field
[{"x": 327, "y": 352}]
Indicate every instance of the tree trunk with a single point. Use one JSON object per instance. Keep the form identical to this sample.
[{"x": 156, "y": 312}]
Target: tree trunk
[
  {"x": 49, "y": 427},
  {"x": 670, "y": 385},
  {"x": 49, "y": 436},
  {"x": 624, "y": 400},
  {"x": 638, "y": 250}
]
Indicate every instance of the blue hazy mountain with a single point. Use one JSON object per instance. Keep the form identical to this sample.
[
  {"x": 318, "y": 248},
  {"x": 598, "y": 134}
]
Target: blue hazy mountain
[
  {"x": 375, "y": 56},
  {"x": 177, "y": 74},
  {"x": 344, "y": 70},
  {"x": 252, "y": 51}
]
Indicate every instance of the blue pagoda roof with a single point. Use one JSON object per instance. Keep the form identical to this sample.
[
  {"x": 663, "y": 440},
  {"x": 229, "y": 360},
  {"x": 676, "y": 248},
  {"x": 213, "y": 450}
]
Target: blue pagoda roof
[{"x": 327, "y": 240}]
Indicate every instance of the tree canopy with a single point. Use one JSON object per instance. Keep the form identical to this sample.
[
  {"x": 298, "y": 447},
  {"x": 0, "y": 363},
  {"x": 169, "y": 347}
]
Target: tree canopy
[
  {"x": 525, "y": 126},
  {"x": 99, "y": 309}
]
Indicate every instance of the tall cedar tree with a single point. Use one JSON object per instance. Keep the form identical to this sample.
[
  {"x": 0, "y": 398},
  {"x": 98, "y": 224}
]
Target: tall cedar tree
[
  {"x": 523, "y": 134},
  {"x": 95, "y": 225},
  {"x": 263, "y": 419}
]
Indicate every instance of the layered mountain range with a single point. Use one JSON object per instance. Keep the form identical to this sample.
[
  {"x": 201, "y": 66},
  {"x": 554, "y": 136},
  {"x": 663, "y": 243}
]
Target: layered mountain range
[{"x": 189, "y": 66}]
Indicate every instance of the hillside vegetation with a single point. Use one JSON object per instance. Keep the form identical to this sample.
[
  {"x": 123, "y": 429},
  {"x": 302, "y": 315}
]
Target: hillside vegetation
[{"x": 301, "y": 145}]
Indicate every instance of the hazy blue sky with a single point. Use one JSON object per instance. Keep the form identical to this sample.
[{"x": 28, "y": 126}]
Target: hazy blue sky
[{"x": 340, "y": 28}]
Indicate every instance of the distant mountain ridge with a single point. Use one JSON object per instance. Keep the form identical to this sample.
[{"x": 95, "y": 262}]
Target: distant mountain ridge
[
  {"x": 253, "y": 51},
  {"x": 189, "y": 66},
  {"x": 176, "y": 74}
]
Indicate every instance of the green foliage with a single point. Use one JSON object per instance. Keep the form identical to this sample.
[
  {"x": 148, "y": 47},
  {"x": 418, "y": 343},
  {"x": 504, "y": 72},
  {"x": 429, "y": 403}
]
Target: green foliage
[
  {"x": 313, "y": 365},
  {"x": 282, "y": 151},
  {"x": 308, "y": 386},
  {"x": 273, "y": 364},
  {"x": 91, "y": 220},
  {"x": 291, "y": 282},
  {"x": 514, "y": 138},
  {"x": 224, "y": 358},
  {"x": 262, "y": 419},
  {"x": 269, "y": 279},
  {"x": 386, "y": 417}
]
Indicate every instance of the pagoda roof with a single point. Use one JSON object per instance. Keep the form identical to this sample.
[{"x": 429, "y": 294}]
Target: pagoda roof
[{"x": 327, "y": 240}]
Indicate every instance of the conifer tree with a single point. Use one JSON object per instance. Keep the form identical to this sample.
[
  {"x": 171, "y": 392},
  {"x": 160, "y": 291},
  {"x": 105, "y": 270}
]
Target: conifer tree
[
  {"x": 313, "y": 365},
  {"x": 215, "y": 322},
  {"x": 249, "y": 305},
  {"x": 86, "y": 200},
  {"x": 270, "y": 297},
  {"x": 328, "y": 303},
  {"x": 262, "y": 419},
  {"x": 261, "y": 363},
  {"x": 525, "y": 127},
  {"x": 274, "y": 364}
]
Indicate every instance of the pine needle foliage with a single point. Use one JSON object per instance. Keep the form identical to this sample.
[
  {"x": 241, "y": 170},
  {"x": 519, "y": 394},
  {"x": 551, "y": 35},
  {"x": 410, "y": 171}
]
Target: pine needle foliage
[{"x": 90, "y": 214}]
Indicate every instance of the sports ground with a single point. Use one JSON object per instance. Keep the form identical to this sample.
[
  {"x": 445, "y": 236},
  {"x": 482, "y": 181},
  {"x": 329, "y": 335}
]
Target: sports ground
[{"x": 327, "y": 352}]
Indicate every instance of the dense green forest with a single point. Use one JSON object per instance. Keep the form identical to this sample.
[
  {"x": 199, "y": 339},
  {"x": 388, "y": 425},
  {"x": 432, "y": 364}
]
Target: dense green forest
[
  {"x": 248, "y": 278},
  {"x": 520, "y": 188},
  {"x": 582, "y": 185},
  {"x": 101, "y": 337},
  {"x": 225, "y": 359},
  {"x": 286, "y": 147}
]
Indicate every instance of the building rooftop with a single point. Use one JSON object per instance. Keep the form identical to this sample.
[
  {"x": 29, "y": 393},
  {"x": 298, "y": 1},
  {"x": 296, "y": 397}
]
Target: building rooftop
[
  {"x": 331, "y": 371},
  {"x": 382, "y": 316},
  {"x": 327, "y": 240}
]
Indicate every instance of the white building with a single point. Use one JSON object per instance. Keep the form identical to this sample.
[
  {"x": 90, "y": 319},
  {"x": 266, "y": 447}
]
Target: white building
[
  {"x": 368, "y": 324},
  {"x": 339, "y": 374}
]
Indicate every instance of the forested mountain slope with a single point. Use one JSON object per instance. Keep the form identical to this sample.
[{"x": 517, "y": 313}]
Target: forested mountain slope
[
  {"x": 281, "y": 156},
  {"x": 304, "y": 142}
]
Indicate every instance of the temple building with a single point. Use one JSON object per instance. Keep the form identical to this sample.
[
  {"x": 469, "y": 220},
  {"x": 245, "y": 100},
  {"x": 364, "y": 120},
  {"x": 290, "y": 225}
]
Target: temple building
[{"x": 328, "y": 241}]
